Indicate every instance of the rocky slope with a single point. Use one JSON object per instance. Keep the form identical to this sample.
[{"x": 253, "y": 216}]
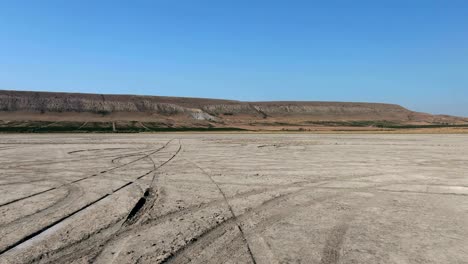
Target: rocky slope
[{"x": 180, "y": 111}]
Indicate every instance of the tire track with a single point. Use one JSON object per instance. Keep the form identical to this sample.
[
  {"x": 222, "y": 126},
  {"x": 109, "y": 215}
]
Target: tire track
[
  {"x": 169, "y": 160},
  {"x": 154, "y": 175},
  {"x": 144, "y": 204},
  {"x": 211, "y": 234},
  {"x": 206, "y": 237},
  {"x": 58, "y": 202},
  {"x": 221, "y": 226},
  {"x": 230, "y": 209},
  {"x": 71, "y": 193},
  {"x": 331, "y": 251},
  {"x": 93, "y": 253},
  {"x": 117, "y": 160},
  {"x": 127, "y": 231},
  {"x": 38, "y": 232},
  {"x": 32, "y": 235},
  {"x": 139, "y": 177},
  {"x": 26, "y": 182},
  {"x": 91, "y": 150},
  {"x": 26, "y": 197},
  {"x": 88, "y": 177},
  {"x": 262, "y": 190},
  {"x": 62, "y": 161},
  {"x": 8, "y": 148}
]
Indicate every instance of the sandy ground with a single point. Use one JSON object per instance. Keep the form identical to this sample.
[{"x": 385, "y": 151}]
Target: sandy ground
[{"x": 233, "y": 198}]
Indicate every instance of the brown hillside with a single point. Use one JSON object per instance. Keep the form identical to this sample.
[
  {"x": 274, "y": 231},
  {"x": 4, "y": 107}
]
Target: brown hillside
[{"x": 186, "y": 112}]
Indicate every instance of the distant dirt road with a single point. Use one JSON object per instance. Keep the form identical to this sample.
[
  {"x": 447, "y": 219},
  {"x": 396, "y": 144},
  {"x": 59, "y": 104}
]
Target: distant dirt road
[{"x": 233, "y": 198}]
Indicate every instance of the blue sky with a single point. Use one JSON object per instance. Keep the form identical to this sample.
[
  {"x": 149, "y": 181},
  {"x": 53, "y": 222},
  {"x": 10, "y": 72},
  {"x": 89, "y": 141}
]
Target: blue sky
[{"x": 414, "y": 53}]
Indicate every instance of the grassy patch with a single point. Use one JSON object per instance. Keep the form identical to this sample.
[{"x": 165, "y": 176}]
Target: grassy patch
[{"x": 101, "y": 127}]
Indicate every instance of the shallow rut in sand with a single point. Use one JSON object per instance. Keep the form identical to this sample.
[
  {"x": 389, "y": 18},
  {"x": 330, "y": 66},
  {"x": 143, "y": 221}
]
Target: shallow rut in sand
[
  {"x": 88, "y": 177},
  {"x": 59, "y": 220},
  {"x": 226, "y": 201},
  {"x": 243, "y": 220},
  {"x": 141, "y": 206},
  {"x": 180, "y": 214},
  {"x": 54, "y": 223}
]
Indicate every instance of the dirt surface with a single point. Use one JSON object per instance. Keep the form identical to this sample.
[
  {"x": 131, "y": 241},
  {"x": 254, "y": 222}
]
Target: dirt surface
[{"x": 233, "y": 198}]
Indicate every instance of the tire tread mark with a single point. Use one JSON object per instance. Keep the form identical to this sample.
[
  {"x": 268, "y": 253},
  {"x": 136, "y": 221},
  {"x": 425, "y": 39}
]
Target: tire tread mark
[
  {"x": 226, "y": 201},
  {"x": 129, "y": 219},
  {"x": 69, "y": 160},
  {"x": 26, "y": 197},
  {"x": 272, "y": 202},
  {"x": 38, "y": 232},
  {"x": 142, "y": 204},
  {"x": 94, "y": 175},
  {"x": 167, "y": 161},
  {"x": 32, "y": 235}
]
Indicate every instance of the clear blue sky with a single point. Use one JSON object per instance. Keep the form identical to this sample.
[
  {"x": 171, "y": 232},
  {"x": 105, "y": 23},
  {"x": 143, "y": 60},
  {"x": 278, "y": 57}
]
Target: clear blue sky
[{"x": 410, "y": 52}]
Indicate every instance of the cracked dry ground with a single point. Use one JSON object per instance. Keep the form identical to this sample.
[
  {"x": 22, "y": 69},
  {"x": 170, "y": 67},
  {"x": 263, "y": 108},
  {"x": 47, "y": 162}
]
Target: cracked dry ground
[{"x": 233, "y": 198}]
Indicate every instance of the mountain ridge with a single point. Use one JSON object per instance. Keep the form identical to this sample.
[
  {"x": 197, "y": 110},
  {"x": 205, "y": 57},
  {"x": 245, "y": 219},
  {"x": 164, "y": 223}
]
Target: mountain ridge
[{"x": 195, "y": 112}]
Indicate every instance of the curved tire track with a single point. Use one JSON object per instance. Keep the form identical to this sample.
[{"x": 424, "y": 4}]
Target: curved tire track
[
  {"x": 38, "y": 232},
  {"x": 88, "y": 177}
]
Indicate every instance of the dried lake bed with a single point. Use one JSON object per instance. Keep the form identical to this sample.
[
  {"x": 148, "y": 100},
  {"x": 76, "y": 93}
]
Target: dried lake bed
[{"x": 233, "y": 198}]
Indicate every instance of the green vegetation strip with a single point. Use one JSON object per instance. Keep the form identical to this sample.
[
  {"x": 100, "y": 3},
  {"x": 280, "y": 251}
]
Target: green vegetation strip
[
  {"x": 69, "y": 127},
  {"x": 134, "y": 127},
  {"x": 378, "y": 124}
]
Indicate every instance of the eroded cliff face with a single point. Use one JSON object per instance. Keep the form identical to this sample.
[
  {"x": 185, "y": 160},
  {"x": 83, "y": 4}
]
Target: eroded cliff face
[
  {"x": 128, "y": 107},
  {"x": 39, "y": 102},
  {"x": 313, "y": 110}
]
